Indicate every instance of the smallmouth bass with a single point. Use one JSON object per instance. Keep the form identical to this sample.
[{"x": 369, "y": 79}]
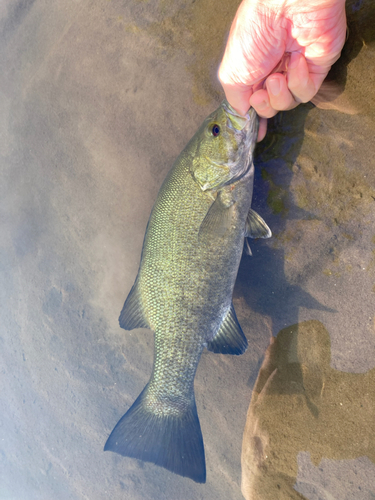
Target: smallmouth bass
[{"x": 183, "y": 291}]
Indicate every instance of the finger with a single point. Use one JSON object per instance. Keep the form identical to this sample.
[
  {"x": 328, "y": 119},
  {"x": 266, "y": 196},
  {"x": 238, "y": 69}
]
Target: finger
[
  {"x": 279, "y": 95},
  {"x": 317, "y": 79},
  {"x": 238, "y": 98},
  {"x": 261, "y": 103},
  {"x": 302, "y": 84},
  {"x": 262, "y": 129}
]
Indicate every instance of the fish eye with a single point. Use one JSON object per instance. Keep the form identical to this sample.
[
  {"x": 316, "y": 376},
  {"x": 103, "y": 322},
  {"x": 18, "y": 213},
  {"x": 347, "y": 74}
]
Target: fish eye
[{"x": 215, "y": 129}]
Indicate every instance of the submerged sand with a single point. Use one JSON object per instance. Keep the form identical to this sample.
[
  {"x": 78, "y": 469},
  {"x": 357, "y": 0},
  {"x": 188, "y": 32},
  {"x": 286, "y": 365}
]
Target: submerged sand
[{"x": 96, "y": 101}]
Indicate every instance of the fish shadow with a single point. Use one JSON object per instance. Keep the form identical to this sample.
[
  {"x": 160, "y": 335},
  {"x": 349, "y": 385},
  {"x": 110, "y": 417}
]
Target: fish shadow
[{"x": 262, "y": 279}]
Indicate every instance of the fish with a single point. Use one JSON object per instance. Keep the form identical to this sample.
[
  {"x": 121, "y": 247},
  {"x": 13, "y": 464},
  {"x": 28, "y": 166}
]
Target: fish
[{"x": 183, "y": 290}]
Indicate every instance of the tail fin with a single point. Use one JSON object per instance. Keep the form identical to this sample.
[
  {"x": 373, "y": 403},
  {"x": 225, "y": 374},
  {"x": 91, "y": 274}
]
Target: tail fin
[{"x": 172, "y": 442}]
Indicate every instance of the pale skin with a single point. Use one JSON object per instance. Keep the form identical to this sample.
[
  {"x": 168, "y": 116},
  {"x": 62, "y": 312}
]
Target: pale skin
[{"x": 307, "y": 34}]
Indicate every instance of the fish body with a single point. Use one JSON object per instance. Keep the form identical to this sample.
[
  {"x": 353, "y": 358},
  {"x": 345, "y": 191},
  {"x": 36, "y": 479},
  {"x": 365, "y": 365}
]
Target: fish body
[{"x": 183, "y": 291}]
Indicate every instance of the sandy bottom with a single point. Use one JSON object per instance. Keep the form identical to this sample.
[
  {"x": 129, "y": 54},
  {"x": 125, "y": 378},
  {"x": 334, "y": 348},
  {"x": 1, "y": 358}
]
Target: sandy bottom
[{"x": 97, "y": 99}]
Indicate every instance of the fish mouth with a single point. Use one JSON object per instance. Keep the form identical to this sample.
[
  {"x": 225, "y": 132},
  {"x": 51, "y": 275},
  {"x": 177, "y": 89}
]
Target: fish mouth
[
  {"x": 245, "y": 129},
  {"x": 241, "y": 122},
  {"x": 236, "y": 120}
]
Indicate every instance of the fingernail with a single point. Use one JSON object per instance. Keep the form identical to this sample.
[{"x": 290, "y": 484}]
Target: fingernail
[
  {"x": 273, "y": 86},
  {"x": 262, "y": 105}
]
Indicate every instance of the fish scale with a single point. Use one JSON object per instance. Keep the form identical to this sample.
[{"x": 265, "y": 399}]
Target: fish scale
[{"x": 183, "y": 291}]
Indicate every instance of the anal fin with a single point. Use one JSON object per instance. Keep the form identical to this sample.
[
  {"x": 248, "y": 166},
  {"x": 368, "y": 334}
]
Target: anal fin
[
  {"x": 132, "y": 314},
  {"x": 230, "y": 338}
]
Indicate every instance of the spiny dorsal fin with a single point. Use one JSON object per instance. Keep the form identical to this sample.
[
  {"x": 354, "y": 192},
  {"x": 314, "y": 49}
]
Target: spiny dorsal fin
[
  {"x": 230, "y": 338},
  {"x": 256, "y": 227},
  {"x": 132, "y": 314},
  {"x": 217, "y": 221}
]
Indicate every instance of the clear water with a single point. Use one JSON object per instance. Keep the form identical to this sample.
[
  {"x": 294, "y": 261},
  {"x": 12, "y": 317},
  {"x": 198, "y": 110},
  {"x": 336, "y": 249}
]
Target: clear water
[{"x": 96, "y": 101}]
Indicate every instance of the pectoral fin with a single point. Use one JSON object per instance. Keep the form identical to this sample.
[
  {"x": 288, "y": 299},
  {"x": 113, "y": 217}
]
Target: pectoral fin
[
  {"x": 256, "y": 227},
  {"x": 132, "y": 314},
  {"x": 230, "y": 338},
  {"x": 217, "y": 221}
]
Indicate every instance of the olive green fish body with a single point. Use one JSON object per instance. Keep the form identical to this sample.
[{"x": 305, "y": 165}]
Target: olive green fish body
[
  {"x": 183, "y": 291},
  {"x": 185, "y": 283}
]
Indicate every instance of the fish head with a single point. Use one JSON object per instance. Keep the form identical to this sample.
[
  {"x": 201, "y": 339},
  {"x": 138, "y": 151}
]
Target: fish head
[{"x": 224, "y": 147}]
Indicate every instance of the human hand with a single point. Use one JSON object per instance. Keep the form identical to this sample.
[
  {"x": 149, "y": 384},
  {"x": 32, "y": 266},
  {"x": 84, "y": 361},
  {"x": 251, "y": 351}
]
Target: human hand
[{"x": 262, "y": 33}]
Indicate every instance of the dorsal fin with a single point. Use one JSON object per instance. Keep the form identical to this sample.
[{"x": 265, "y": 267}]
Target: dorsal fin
[
  {"x": 132, "y": 314},
  {"x": 256, "y": 227},
  {"x": 230, "y": 338}
]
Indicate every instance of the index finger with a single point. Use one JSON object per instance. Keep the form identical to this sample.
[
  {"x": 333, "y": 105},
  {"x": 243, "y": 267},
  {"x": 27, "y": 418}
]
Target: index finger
[{"x": 238, "y": 96}]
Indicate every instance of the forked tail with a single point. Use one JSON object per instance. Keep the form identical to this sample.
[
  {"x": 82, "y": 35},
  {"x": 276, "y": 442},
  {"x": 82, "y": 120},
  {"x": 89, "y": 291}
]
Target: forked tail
[{"x": 170, "y": 441}]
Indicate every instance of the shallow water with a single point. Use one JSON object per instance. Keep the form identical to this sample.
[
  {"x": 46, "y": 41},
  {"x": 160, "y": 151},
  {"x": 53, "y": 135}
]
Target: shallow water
[{"x": 96, "y": 101}]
